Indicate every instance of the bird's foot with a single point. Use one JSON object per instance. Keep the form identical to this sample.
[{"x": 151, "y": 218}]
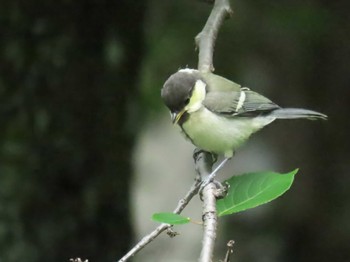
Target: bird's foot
[
  {"x": 213, "y": 174},
  {"x": 210, "y": 178},
  {"x": 220, "y": 189}
]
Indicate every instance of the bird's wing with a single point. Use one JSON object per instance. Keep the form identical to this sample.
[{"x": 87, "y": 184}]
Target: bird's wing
[
  {"x": 219, "y": 83},
  {"x": 238, "y": 103}
]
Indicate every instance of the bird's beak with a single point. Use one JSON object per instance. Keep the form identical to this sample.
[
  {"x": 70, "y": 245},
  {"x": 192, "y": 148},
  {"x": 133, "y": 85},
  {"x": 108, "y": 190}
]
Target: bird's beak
[{"x": 175, "y": 117}]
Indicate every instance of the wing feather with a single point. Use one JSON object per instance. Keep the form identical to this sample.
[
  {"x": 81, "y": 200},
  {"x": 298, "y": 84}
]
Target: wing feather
[{"x": 232, "y": 103}]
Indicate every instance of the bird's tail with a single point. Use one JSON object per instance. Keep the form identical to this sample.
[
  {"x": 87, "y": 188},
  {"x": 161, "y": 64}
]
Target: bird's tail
[{"x": 296, "y": 113}]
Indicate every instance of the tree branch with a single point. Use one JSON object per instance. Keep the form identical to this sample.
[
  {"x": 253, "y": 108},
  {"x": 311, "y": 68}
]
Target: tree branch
[
  {"x": 229, "y": 250},
  {"x": 209, "y": 223},
  {"x": 151, "y": 236},
  {"x": 204, "y": 162},
  {"x": 205, "y": 40}
]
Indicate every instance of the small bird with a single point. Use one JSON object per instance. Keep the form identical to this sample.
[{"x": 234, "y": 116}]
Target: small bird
[{"x": 218, "y": 115}]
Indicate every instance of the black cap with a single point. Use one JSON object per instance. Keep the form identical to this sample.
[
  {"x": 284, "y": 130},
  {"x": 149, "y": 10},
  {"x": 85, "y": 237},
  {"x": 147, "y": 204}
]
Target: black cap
[{"x": 177, "y": 90}]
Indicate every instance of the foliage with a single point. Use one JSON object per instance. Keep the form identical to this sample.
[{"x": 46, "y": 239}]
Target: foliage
[
  {"x": 170, "y": 218},
  {"x": 253, "y": 189},
  {"x": 244, "y": 192}
]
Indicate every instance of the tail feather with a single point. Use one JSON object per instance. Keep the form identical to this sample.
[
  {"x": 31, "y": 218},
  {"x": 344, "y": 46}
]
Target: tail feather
[{"x": 296, "y": 113}]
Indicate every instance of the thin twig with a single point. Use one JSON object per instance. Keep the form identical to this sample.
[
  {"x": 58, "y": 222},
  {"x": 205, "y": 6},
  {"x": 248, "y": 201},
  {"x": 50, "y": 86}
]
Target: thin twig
[
  {"x": 205, "y": 40},
  {"x": 151, "y": 236},
  {"x": 229, "y": 250}
]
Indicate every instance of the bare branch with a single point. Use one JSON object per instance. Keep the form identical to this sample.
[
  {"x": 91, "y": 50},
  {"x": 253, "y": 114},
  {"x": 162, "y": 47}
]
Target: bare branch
[
  {"x": 151, "y": 236},
  {"x": 205, "y": 40},
  {"x": 229, "y": 250},
  {"x": 204, "y": 162},
  {"x": 209, "y": 223}
]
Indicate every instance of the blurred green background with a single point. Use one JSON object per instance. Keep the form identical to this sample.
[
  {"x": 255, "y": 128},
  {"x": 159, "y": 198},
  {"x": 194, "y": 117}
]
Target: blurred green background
[{"x": 86, "y": 144}]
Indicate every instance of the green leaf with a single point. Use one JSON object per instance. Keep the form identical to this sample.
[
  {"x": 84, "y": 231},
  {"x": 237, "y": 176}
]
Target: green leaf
[
  {"x": 170, "y": 218},
  {"x": 253, "y": 189}
]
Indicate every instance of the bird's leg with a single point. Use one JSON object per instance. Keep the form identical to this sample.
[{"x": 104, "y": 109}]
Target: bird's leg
[{"x": 212, "y": 175}]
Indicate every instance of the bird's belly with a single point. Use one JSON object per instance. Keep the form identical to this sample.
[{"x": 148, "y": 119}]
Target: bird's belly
[{"x": 219, "y": 134}]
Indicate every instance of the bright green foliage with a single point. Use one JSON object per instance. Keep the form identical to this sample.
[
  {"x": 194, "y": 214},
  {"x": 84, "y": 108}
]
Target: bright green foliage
[
  {"x": 253, "y": 189},
  {"x": 170, "y": 218}
]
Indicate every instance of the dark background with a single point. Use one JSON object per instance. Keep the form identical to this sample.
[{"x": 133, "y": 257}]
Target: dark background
[{"x": 80, "y": 80}]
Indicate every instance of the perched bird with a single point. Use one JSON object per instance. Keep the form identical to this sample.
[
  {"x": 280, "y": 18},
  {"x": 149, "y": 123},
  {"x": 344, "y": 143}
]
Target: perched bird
[{"x": 218, "y": 115}]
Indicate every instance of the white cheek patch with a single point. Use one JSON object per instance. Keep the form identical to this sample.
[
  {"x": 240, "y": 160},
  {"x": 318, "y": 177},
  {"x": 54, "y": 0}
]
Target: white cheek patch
[
  {"x": 198, "y": 95},
  {"x": 241, "y": 100}
]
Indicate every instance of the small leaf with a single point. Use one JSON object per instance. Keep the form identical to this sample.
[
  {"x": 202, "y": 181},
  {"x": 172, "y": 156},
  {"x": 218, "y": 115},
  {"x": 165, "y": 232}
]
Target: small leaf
[
  {"x": 170, "y": 218},
  {"x": 253, "y": 189}
]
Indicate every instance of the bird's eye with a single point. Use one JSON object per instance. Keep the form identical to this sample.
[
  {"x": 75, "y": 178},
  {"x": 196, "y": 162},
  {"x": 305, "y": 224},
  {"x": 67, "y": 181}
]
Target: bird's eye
[{"x": 187, "y": 101}]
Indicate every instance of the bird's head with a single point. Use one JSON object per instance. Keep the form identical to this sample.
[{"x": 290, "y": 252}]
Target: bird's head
[{"x": 183, "y": 92}]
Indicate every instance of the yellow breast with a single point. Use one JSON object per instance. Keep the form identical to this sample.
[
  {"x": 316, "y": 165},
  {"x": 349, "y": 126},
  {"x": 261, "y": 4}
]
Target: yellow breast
[{"x": 219, "y": 134}]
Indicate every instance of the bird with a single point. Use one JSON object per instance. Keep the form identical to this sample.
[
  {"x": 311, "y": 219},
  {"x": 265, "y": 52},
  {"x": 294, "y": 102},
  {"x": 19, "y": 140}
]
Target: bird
[{"x": 217, "y": 115}]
